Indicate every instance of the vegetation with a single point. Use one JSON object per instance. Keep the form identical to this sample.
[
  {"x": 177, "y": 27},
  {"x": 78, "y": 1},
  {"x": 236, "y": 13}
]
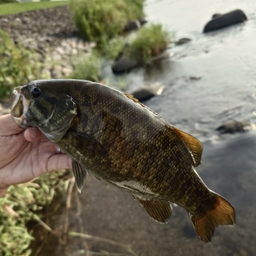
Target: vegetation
[
  {"x": 7, "y": 1},
  {"x": 24, "y": 203},
  {"x": 150, "y": 42},
  {"x": 16, "y": 66},
  {"x": 12, "y": 8},
  {"x": 87, "y": 67},
  {"x": 100, "y": 20}
]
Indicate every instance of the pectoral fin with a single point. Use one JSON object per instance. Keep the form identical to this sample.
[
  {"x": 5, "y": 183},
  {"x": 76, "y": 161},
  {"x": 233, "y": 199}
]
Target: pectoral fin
[
  {"x": 160, "y": 211},
  {"x": 80, "y": 174},
  {"x": 193, "y": 144}
]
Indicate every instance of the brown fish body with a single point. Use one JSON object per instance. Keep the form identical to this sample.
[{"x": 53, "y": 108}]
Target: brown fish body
[{"x": 126, "y": 144}]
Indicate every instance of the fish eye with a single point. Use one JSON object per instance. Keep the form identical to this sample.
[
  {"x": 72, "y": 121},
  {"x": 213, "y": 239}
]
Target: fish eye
[{"x": 36, "y": 92}]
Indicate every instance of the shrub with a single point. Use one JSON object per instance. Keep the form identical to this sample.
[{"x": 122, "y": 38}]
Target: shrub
[
  {"x": 17, "y": 66},
  {"x": 87, "y": 67},
  {"x": 101, "y": 20},
  {"x": 7, "y": 1},
  {"x": 150, "y": 41},
  {"x": 24, "y": 203}
]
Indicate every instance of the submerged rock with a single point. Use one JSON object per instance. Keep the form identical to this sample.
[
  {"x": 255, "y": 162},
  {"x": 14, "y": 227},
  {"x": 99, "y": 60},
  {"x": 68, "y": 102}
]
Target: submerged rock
[
  {"x": 134, "y": 24},
  {"x": 234, "y": 127},
  {"x": 220, "y": 21},
  {"x": 124, "y": 64},
  {"x": 148, "y": 91},
  {"x": 183, "y": 41}
]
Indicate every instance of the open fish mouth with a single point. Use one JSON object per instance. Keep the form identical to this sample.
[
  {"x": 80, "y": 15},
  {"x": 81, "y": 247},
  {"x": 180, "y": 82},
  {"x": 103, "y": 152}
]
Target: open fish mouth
[{"x": 19, "y": 107}]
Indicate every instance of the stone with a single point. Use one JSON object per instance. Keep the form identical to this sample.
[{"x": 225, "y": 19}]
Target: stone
[
  {"x": 56, "y": 72},
  {"x": 234, "y": 127},
  {"x": 124, "y": 64},
  {"x": 148, "y": 91},
  {"x": 221, "y": 21},
  {"x": 195, "y": 78},
  {"x": 66, "y": 71},
  {"x": 183, "y": 41},
  {"x": 134, "y": 24}
]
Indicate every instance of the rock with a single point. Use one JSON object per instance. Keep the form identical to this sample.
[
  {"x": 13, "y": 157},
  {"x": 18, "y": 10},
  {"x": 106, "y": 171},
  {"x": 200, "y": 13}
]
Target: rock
[
  {"x": 195, "y": 78},
  {"x": 56, "y": 72},
  {"x": 124, "y": 64},
  {"x": 66, "y": 71},
  {"x": 183, "y": 41},
  {"x": 148, "y": 91},
  {"x": 234, "y": 127},
  {"x": 133, "y": 25},
  {"x": 216, "y": 15},
  {"x": 221, "y": 21}
]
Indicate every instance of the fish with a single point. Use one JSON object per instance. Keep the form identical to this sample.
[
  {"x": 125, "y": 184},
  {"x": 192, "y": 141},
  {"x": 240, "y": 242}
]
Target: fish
[{"x": 122, "y": 142}]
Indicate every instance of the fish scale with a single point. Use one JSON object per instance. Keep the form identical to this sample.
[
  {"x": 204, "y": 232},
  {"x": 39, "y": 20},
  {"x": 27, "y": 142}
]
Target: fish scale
[{"x": 122, "y": 142}]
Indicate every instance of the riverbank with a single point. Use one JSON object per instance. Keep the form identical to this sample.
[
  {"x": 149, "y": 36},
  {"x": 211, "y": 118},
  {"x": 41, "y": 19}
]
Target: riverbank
[{"x": 52, "y": 37}]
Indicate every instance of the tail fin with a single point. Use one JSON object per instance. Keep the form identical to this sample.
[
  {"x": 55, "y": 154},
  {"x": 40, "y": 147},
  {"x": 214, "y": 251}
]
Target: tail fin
[{"x": 222, "y": 213}]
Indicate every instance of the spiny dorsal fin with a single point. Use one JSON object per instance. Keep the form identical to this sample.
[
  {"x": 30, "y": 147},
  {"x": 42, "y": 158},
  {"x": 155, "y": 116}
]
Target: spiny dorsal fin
[
  {"x": 160, "y": 211},
  {"x": 131, "y": 97},
  {"x": 193, "y": 144},
  {"x": 80, "y": 174}
]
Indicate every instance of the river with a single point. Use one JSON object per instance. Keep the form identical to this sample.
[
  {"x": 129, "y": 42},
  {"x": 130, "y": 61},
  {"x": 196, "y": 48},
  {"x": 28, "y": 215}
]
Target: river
[{"x": 225, "y": 61}]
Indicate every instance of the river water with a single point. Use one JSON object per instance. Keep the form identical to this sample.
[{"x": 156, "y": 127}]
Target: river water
[{"x": 226, "y": 62}]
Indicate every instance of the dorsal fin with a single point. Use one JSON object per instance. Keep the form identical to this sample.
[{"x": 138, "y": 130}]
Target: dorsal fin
[
  {"x": 193, "y": 144},
  {"x": 160, "y": 211},
  {"x": 131, "y": 97}
]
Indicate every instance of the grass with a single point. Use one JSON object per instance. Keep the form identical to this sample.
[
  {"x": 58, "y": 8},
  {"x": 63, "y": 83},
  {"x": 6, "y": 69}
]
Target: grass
[
  {"x": 150, "y": 42},
  {"x": 87, "y": 67},
  {"x": 16, "y": 65},
  {"x": 13, "y": 8},
  {"x": 24, "y": 203},
  {"x": 100, "y": 20}
]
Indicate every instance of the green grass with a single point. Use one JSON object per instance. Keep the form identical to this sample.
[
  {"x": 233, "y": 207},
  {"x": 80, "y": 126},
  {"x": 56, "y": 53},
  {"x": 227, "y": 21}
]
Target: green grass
[
  {"x": 87, "y": 67},
  {"x": 100, "y": 20},
  {"x": 151, "y": 41},
  {"x": 13, "y": 8}
]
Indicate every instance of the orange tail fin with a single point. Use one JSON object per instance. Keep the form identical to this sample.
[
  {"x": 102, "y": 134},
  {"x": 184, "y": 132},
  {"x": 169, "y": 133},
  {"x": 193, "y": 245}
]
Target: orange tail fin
[{"x": 221, "y": 214}]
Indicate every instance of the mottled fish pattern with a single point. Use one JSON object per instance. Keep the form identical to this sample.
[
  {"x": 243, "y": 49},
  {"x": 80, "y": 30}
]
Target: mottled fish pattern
[{"x": 124, "y": 143}]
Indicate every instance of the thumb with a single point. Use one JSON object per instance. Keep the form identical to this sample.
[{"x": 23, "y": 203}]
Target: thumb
[{"x": 8, "y": 126}]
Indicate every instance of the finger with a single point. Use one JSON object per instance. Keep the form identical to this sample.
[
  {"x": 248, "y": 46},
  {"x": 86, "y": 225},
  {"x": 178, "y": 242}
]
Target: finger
[
  {"x": 8, "y": 126},
  {"x": 31, "y": 134},
  {"x": 59, "y": 162}
]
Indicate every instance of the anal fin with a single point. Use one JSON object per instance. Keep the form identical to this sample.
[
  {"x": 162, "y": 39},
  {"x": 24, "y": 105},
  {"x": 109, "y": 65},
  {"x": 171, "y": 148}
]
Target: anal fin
[
  {"x": 80, "y": 174},
  {"x": 160, "y": 211}
]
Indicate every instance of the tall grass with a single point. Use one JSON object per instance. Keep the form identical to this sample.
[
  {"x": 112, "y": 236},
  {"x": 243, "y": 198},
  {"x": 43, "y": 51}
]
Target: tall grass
[
  {"x": 150, "y": 41},
  {"x": 17, "y": 66},
  {"x": 101, "y": 20},
  {"x": 24, "y": 203}
]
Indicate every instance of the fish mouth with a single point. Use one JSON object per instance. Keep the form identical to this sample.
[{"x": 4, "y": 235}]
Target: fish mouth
[{"x": 19, "y": 107}]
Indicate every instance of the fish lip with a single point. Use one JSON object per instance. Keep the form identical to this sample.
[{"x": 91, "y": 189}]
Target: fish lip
[{"x": 19, "y": 107}]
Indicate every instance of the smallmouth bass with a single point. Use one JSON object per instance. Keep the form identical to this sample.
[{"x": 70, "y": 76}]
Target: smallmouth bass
[{"x": 124, "y": 143}]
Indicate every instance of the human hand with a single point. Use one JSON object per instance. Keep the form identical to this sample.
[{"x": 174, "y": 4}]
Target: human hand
[{"x": 26, "y": 154}]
